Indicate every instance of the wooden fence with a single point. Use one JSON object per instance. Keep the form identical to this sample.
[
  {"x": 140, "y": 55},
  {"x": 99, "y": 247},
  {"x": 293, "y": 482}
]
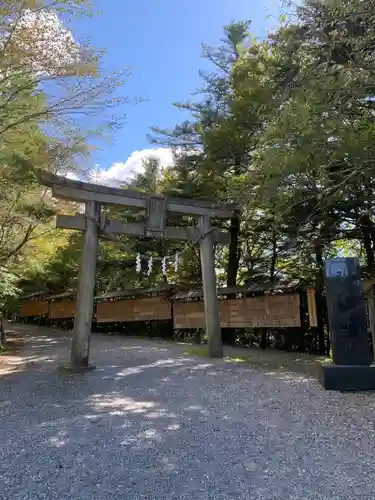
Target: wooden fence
[
  {"x": 277, "y": 311},
  {"x": 141, "y": 309},
  {"x": 271, "y": 309},
  {"x": 62, "y": 306},
  {"x": 34, "y": 308},
  {"x": 62, "y": 309}
]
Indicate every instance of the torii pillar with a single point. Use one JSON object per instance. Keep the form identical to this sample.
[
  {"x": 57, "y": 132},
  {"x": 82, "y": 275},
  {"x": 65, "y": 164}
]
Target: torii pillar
[{"x": 86, "y": 289}]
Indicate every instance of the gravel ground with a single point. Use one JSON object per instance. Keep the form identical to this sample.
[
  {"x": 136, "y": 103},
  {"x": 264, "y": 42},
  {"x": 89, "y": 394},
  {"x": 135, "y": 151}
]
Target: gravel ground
[{"x": 152, "y": 423}]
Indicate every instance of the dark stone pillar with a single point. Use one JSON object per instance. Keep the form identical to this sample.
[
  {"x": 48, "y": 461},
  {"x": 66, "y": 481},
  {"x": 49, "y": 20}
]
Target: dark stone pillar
[{"x": 347, "y": 321}]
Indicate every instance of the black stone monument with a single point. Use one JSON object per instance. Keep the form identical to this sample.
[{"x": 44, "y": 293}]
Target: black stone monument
[{"x": 352, "y": 357}]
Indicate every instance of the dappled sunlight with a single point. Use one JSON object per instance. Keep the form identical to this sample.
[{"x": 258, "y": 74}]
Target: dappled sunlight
[
  {"x": 161, "y": 414},
  {"x": 21, "y": 363},
  {"x": 49, "y": 346},
  {"x": 142, "y": 414},
  {"x": 201, "y": 366},
  {"x": 58, "y": 441},
  {"x": 173, "y": 427},
  {"x": 164, "y": 465},
  {"x": 169, "y": 362},
  {"x": 132, "y": 423},
  {"x": 34, "y": 351},
  {"x": 192, "y": 369},
  {"x": 143, "y": 348},
  {"x": 151, "y": 434},
  {"x": 125, "y": 347},
  {"x": 288, "y": 376},
  {"x": 234, "y": 360},
  {"x": 196, "y": 408},
  {"x": 143, "y": 439},
  {"x": 39, "y": 359},
  {"x": 46, "y": 341},
  {"x": 101, "y": 401},
  {"x": 131, "y": 371},
  {"x": 163, "y": 363},
  {"x": 63, "y": 422},
  {"x": 8, "y": 370},
  {"x": 137, "y": 423}
]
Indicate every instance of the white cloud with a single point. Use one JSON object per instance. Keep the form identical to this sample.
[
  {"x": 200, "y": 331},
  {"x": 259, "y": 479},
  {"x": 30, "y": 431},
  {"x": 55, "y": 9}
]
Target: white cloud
[
  {"x": 121, "y": 171},
  {"x": 71, "y": 175}
]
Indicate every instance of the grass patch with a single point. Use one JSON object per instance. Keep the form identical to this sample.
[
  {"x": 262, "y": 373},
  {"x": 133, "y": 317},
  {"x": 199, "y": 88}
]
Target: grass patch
[
  {"x": 5, "y": 351},
  {"x": 65, "y": 369},
  {"x": 198, "y": 351},
  {"x": 303, "y": 364},
  {"x": 68, "y": 369}
]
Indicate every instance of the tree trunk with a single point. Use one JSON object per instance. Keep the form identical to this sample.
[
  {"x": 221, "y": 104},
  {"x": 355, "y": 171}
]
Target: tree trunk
[
  {"x": 228, "y": 335},
  {"x": 367, "y": 230},
  {"x": 2, "y": 334},
  {"x": 264, "y": 332},
  {"x": 274, "y": 257},
  {"x": 233, "y": 258},
  {"x": 320, "y": 301}
]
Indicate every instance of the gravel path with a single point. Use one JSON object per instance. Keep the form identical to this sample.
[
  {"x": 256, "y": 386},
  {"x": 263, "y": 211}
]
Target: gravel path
[{"x": 152, "y": 423}]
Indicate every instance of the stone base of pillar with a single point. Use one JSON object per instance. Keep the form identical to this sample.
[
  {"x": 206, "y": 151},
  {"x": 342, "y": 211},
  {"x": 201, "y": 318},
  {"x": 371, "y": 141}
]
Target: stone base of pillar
[{"x": 348, "y": 377}]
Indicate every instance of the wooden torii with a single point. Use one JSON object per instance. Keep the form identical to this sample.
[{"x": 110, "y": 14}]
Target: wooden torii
[{"x": 156, "y": 207}]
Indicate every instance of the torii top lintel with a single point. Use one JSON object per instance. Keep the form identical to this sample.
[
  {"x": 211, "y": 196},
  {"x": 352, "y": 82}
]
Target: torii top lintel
[{"x": 84, "y": 191}]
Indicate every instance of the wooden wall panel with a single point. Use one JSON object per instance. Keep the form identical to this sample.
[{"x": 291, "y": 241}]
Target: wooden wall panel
[
  {"x": 64, "y": 308},
  {"x": 34, "y": 307},
  {"x": 145, "y": 309},
  {"x": 188, "y": 314},
  {"x": 277, "y": 311}
]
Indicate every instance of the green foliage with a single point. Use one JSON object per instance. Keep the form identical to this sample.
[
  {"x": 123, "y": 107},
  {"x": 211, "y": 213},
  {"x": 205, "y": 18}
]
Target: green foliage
[
  {"x": 284, "y": 127},
  {"x": 8, "y": 285},
  {"x": 52, "y": 102}
]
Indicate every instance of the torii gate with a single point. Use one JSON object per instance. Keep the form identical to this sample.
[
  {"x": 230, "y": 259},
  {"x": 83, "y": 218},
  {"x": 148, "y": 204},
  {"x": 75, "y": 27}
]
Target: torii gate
[{"x": 156, "y": 207}]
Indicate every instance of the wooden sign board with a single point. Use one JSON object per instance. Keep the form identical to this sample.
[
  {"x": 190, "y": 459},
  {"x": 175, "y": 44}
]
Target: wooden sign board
[
  {"x": 34, "y": 308},
  {"x": 65, "y": 308},
  {"x": 145, "y": 309},
  {"x": 277, "y": 311},
  {"x": 311, "y": 305}
]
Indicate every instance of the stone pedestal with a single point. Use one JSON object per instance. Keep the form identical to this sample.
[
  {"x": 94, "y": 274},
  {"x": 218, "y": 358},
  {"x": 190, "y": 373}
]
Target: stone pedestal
[
  {"x": 348, "y": 377},
  {"x": 351, "y": 352}
]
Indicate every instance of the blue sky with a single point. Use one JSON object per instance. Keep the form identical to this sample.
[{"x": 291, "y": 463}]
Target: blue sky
[{"x": 161, "y": 42}]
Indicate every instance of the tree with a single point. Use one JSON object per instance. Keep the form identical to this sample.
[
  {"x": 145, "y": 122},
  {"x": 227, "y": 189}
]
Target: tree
[
  {"x": 284, "y": 128},
  {"x": 208, "y": 151},
  {"x": 41, "y": 58},
  {"x": 313, "y": 157},
  {"x": 52, "y": 103}
]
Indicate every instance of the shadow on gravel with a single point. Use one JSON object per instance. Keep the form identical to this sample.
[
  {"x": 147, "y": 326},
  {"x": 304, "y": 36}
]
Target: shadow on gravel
[
  {"x": 128, "y": 410},
  {"x": 33, "y": 351},
  {"x": 151, "y": 418}
]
